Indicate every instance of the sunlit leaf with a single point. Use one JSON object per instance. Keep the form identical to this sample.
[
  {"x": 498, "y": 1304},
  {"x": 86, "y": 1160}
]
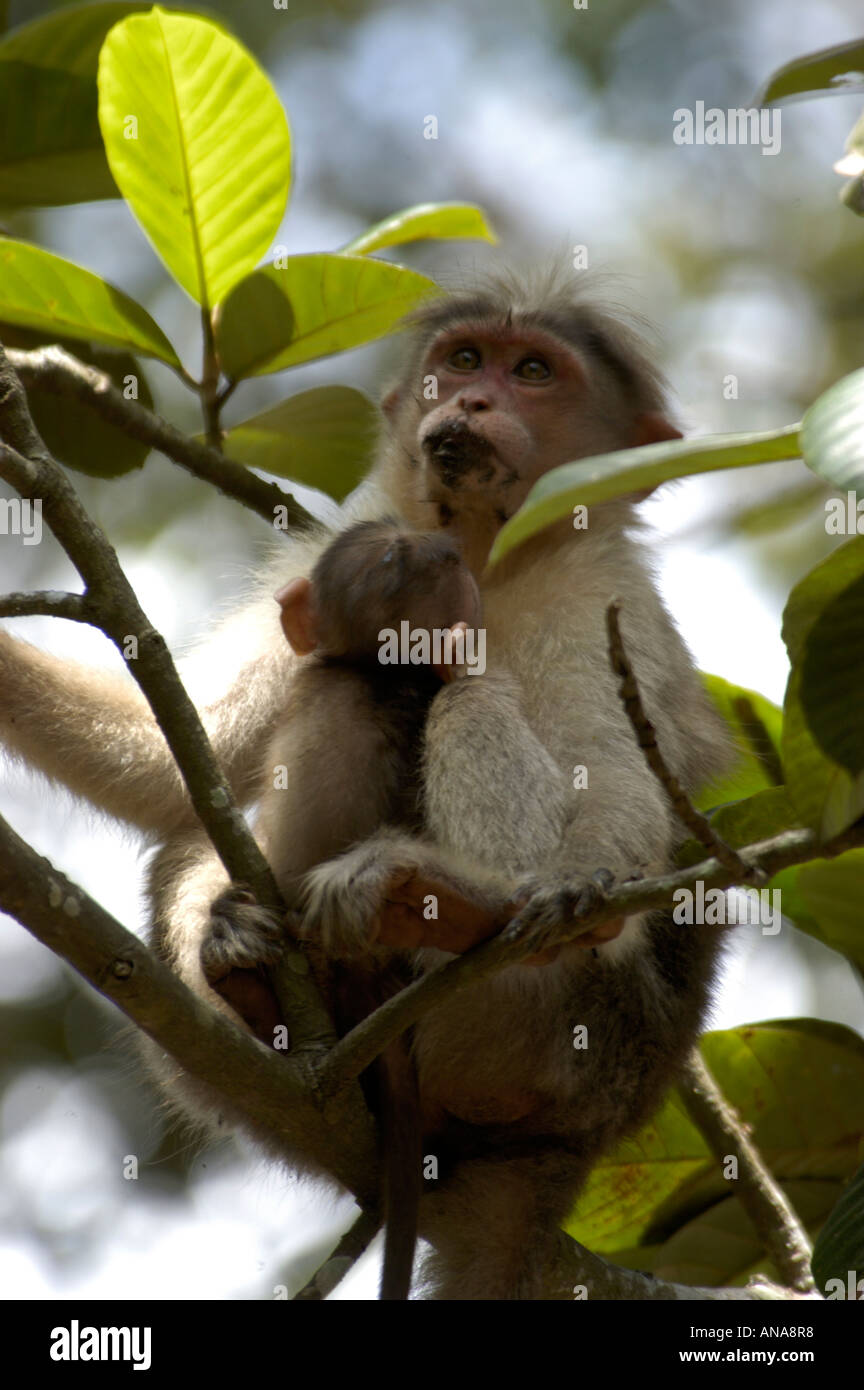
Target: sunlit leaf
[
  {"x": 198, "y": 144},
  {"x": 311, "y": 307},
  {"x": 799, "y": 1083},
  {"x": 439, "y": 220},
  {"x": 42, "y": 291}
]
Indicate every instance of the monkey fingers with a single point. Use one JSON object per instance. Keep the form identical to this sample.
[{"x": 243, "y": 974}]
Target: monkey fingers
[{"x": 546, "y": 907}]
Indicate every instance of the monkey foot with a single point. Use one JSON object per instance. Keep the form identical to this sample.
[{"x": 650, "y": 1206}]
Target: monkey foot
[{"x": 241, "y": 940}]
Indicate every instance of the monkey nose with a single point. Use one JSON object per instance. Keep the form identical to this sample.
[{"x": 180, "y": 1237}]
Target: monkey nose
[{"x": 472, "y": 404}]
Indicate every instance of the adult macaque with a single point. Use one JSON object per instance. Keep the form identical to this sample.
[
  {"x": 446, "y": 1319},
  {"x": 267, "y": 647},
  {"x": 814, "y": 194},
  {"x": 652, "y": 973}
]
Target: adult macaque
[{"x": 499, "y": 386}]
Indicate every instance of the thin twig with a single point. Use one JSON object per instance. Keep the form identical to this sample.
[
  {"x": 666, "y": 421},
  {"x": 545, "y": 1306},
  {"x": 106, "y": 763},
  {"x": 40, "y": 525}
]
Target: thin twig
[
  {"x": 47, "y": 603},
  {"x": 646, "y": 736},
  {"x": 761, "y": 1196}
]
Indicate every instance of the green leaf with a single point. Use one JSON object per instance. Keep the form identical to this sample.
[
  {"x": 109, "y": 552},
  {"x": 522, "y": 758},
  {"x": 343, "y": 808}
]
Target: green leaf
[
  {"x": 824, "y": 794},
  {"x": 597, "y": 479},
  {"x": 832, "y": 678},
  {"x": 73, "y": 432},
  {"x": 207, "y": 172},
  {"x": 839, "y": 69},
  {"x": 823, "y": 728},
  {"x": 311, "y": 307},
  {"x": 51, "y": 149},
  {"x": 832, "y": 438},
  {"x": 832, "y": 890},
  {"x": 757, "y": 725},
  {"x": 440, "y": 220},
  {"x": 840, "y": 1247},
  {"x": 42, "y": 291},
  {"x": 322, "y": 438},
  {"x": 799, "y": 1083},
  {"x": 756, "y": 818}
]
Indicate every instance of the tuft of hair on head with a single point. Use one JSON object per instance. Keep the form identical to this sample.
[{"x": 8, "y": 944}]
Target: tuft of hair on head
[{"x": 557, "y": 300}]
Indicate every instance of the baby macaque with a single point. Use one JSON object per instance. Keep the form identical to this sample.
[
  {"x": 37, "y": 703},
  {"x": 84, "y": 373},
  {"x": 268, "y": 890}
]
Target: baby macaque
[{"x": 387, "y": 616}]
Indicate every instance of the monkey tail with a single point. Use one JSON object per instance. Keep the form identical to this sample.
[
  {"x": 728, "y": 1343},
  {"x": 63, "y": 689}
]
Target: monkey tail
[{"x": 401, "y": 1141}]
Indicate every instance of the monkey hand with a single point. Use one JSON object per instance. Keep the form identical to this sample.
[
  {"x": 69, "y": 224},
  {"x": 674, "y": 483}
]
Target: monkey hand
[
  {"x": 546, "y": 905},
  {"x": 242, "y": 939}
]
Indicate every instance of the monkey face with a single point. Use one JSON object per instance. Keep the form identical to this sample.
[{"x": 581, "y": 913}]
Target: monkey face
[{"x": 512, "y": 403}]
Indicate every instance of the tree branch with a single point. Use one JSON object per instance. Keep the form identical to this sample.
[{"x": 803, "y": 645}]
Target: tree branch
[
  {"x": 272, "y": 1093},
  {"x": 55, "y": 370},
  {"x": 112, "y": 606}
]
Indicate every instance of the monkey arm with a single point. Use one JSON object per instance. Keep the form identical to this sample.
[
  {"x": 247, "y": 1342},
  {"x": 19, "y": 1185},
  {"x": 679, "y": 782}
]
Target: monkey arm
[{"x": 94, "y": 732}]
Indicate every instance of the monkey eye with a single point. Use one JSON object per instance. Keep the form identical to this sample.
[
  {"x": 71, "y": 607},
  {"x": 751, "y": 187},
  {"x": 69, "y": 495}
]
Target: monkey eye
[
  {"x": 464, "y": 359},
  {"x": 532, "y": 369}
]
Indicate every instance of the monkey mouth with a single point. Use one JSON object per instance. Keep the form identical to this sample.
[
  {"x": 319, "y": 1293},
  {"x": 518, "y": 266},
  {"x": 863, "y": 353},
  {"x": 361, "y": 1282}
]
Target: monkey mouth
[{"x": 457, "y": 452}]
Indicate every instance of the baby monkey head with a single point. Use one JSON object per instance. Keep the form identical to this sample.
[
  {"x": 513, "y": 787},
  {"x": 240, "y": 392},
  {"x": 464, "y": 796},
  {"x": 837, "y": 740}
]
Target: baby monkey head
[{"x": 377, "y": 575}]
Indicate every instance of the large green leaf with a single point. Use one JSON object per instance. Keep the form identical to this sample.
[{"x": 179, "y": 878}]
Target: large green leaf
[
  {"x": 42, "y": 291},
  {"x": 840, "y": 1247},
  {"x": 832, "y": 891},
  {"x": 51, "y": 149},
  {"x": 823, "y": 726},
  {"x": 597, "y": 479},
  {"x": 312, "y": 306},
  {"x": 799, "y": 1083},
  {"x": 825, "y": 795},
  {"x": 839, "y": 69},
  {"x": 832, "y": 434},
  {"x": 73, "y": 432},
  {"x": 207, "y": 170},
  {"x": 440, "y": 220},
  {"x": 719, "y": 1246},
  {"x": 321, "y": 437}
]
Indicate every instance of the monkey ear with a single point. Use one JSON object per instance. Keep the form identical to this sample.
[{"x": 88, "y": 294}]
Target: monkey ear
[
  {"x": 391, "y": 401},
  {"x": 298, "y": 616},
  {"x": 650, "y": 428},
  {"x": 653, "y": 428}
]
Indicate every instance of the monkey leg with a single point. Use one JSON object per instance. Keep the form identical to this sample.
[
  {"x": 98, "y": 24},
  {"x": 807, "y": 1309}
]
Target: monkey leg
[
  {"x": 494, "y": 1227},
  {"x": 395, "y": 892},
  {"x": 217, "y": 939}
]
